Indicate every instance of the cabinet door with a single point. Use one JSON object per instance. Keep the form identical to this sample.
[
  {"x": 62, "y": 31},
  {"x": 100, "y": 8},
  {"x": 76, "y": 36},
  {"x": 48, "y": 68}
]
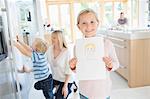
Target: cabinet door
[{"x": 122, "y": 51}]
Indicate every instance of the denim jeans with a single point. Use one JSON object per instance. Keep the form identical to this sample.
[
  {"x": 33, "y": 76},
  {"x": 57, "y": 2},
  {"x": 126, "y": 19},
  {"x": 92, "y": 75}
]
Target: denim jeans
[
  {"x": 46, "y": 86},
  {"x": 58, "y": 94}
]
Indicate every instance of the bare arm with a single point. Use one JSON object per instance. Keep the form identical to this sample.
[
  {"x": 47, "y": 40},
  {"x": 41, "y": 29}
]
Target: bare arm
[
  {"x": 65, "y": 87},
  {"x": 23, "y": 50},
  {"x": 27, "y": 47},
  {"x": 67, "y": 79}
]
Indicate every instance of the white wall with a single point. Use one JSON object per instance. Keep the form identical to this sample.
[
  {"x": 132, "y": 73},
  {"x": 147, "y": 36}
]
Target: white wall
[{"x": 143, "y": 13}]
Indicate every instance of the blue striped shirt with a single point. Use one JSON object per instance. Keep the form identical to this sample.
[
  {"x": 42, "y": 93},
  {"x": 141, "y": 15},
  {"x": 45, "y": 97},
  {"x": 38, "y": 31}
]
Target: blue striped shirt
[{"x": 41, "y": 68}]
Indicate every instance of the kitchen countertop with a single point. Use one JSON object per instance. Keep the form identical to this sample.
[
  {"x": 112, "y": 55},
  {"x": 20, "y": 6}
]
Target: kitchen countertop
[{"x": 128, "y": 34}]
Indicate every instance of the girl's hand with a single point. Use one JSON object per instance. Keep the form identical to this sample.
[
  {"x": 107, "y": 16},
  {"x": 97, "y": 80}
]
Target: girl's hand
[
  {"x": 73, "y": 63},
  {"x": 65, "y": 90},
  {"x": 108, "y": 62}
]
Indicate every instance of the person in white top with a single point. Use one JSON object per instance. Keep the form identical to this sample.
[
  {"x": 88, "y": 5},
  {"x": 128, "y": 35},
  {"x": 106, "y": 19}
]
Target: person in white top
[
  {"x": 87, "y": 22},
  {"x": 59, "y": 56}
]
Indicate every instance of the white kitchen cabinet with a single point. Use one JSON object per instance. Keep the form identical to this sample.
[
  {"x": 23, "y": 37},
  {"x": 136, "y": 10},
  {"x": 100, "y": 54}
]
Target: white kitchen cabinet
[{"x": 133, "y": 51}]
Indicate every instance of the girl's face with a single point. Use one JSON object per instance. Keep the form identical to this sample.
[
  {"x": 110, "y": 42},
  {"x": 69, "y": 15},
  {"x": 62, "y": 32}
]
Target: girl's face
[
  {"x": 88, "y": 24},
  {"x": 55, "y": 40}
]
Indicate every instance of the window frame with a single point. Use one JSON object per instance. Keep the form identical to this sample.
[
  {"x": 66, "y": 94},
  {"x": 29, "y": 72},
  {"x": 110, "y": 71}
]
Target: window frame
[{"x": 71, "y": 6}]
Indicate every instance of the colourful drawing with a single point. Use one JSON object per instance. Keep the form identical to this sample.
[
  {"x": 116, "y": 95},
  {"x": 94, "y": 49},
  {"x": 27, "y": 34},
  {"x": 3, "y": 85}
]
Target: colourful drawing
[{"x": 90, "y": 50}]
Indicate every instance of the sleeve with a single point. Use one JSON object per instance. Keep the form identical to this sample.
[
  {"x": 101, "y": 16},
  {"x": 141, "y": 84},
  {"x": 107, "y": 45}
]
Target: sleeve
[
  {"x": 67, "y": 68},
  {"x": 34, "y": 57},
  {"x": 48, "y": 53},
  {"x": 112, "y": 54}
]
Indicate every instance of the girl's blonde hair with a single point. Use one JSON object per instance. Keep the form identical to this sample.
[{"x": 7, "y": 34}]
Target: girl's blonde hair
[
  {"x": 85, "y": 11},
  {"x": 61, "y": 39},
  {"x": 41, "y": 45}
]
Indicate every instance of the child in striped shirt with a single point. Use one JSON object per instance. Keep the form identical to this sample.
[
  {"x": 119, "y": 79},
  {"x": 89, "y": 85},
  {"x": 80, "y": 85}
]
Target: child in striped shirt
[{"x": 41, "y": 67}]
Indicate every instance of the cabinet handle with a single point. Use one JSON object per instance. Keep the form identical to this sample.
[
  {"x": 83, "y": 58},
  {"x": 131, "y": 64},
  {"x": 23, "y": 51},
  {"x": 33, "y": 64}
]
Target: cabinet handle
[
  {"x": 113, "y": 38},
  {"x": 119, "y": 46}
]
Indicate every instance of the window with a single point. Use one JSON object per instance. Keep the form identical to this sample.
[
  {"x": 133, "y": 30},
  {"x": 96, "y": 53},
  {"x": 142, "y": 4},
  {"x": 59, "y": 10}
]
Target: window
[
  {"x": 65, "y": 21},
  {"x": 63, "y": 13},
  {"x": 59, "y": 16},
  {"x": 108, "y": 14},
  {"x": 54, "y": 19},
  {"x": 118, "y": 7}
]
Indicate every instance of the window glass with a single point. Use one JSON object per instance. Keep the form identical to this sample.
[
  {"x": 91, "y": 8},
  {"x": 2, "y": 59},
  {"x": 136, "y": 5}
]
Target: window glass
[
  {"x": 108, "y": 14},
  {"x": 118, "y": 8},
  {"x": 65, "y": 21},
  {"x": 53, "y": 15}
]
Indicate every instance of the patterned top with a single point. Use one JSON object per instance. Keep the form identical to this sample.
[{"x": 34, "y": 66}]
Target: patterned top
[{"x": 41, "y": 67}]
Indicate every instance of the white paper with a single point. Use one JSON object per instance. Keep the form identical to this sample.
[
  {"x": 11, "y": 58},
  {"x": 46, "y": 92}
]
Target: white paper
[{"x": 89, "y": 53}]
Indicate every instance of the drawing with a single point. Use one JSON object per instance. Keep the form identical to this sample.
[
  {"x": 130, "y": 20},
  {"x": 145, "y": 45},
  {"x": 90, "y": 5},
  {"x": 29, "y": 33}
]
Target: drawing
[{"x": 90, "y": 50}]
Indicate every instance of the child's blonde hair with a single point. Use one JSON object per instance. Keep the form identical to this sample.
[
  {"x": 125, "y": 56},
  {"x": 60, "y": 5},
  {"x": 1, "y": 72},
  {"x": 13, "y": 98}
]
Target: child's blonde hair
[
  {"x": 47, "y": 37},
  {"x": 61, "y": 39},
  {"x": 41, "y": 45},
  {"x": 85, "y": 11}
]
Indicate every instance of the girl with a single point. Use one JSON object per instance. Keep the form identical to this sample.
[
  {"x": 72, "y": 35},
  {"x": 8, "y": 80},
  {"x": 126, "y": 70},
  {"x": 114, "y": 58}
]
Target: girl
[
  {"x": 87, "y": 22},
  {"x": 59, "y": 56}
]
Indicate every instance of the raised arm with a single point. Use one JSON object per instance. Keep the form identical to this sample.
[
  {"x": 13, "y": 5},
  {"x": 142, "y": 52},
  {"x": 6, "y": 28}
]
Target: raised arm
[
  {"x": 22, "y": 49},
  {"x": 27, "y": 47}
]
